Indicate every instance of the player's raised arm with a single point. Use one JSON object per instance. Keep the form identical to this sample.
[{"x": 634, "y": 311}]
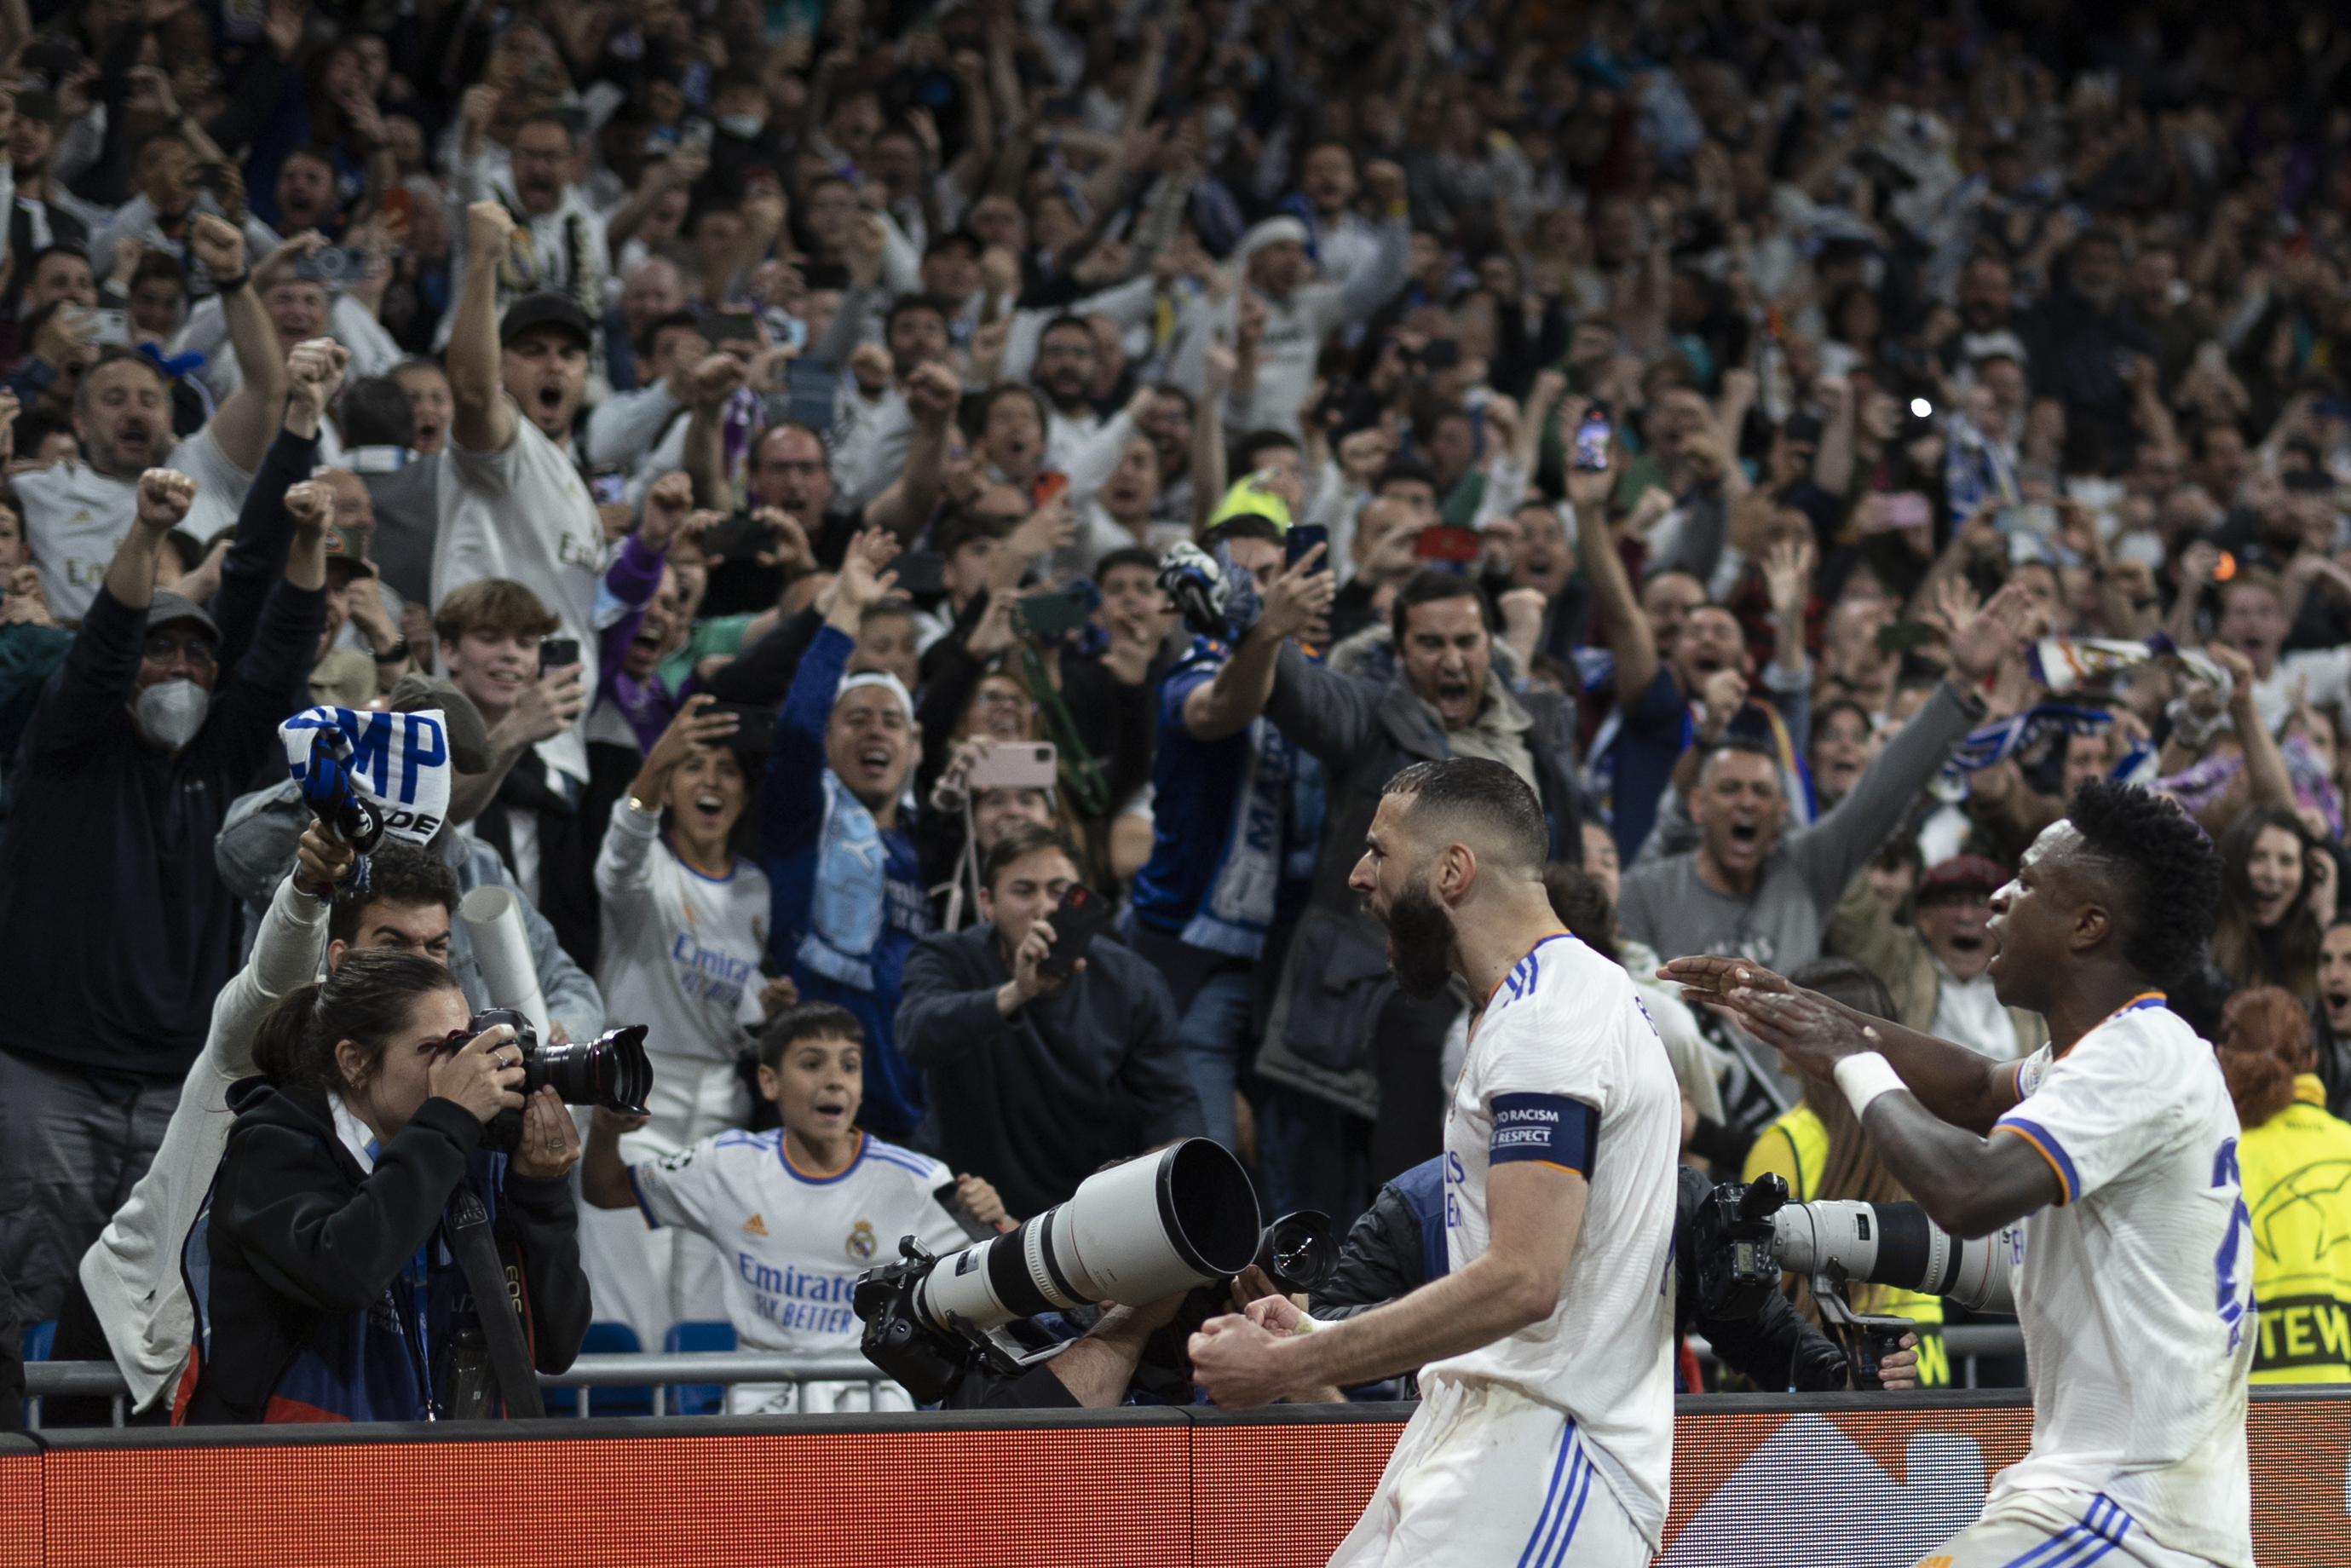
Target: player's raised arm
[
  {"x": 1952, "y": 1082},
  {"x": 1969, "y": 1184}
]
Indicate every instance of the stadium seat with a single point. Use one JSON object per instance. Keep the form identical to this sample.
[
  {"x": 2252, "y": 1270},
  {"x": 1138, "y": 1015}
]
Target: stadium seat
[
  {"x": 40, "y": 1336},
  {"x": 629, "y": 1399},
  {"x": 697, "y": 1398}
]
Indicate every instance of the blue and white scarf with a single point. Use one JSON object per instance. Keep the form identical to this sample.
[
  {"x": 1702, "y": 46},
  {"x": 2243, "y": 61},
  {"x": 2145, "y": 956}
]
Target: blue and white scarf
[
  {"x": 1238, "y": 910},
  {"x": 850, "y": 894}
]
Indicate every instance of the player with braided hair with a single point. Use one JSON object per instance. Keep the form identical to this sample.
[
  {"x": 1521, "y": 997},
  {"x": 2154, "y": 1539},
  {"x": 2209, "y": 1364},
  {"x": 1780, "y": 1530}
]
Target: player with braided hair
[{"x": 2110, "y": 1156}]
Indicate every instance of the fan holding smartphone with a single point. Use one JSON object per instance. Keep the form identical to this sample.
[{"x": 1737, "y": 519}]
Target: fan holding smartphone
[{"x": 1056, "y": 1046}]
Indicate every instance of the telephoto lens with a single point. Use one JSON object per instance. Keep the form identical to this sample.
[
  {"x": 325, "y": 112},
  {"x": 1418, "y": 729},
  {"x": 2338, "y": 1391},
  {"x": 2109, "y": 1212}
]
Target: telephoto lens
[
  {"x": 611, "y": 1070},
  {"x": 1133, "y": 1233}
]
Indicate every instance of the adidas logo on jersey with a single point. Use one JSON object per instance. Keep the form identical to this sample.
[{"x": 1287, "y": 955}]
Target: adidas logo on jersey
[{"x": 755, "y": 1225}]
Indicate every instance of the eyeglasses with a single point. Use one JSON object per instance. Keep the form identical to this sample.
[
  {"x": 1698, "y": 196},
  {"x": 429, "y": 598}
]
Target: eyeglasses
[
  {"x": 162, "y": 649},
  {"x": 1001, "y": 699}
]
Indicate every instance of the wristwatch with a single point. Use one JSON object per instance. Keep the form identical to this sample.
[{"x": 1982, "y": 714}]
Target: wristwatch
[
  {"x": 641, "y": 810},
  {"x": 397, "y": 651}
]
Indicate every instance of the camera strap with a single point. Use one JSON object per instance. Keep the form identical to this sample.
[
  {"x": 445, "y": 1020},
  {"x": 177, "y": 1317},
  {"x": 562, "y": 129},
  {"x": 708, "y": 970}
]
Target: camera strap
[{"x": 469, "y": 1238}]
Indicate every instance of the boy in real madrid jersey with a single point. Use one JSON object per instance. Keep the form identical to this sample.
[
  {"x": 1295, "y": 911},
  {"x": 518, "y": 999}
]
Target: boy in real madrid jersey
[
  {"x": 798, "y": 1212},
  {"x": 1545, "y": 1430},
  {"x": 2111, "y": 1156}
]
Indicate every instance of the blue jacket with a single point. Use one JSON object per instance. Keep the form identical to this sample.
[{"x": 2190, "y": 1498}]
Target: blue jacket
[{"x": 792, "y": 808}]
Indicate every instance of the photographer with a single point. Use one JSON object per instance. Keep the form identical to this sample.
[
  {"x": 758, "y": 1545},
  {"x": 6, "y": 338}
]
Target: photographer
[
  {"x": 328, "y": 1299},
  {"x": 1036, "y": 1079}
]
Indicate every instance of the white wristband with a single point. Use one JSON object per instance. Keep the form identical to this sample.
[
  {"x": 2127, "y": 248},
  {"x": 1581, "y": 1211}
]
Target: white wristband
[
  {"x": 1864, "y": 1076},
  {"x": 1307, "y": 1325}
]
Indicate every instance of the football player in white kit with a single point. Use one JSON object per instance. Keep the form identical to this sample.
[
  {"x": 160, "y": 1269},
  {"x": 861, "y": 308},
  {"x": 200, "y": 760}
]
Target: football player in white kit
[
  {"x": 2115, "y": 1148},
  {"x": 1545, "y": 1430}
]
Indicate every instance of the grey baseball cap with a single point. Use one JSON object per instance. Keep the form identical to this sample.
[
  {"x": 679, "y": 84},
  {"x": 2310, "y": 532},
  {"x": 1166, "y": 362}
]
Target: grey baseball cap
[{"x": 168, "y": 607}]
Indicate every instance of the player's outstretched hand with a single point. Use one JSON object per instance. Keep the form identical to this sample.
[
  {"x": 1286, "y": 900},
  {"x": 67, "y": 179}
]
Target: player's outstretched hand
[
  {"x": 1711, "y": 981},
  {"x": 1813, "y": 1032}
]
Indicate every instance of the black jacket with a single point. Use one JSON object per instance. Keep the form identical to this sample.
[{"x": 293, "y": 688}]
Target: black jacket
[
  {"x": 108, "y": 890},
  {"x": 306, "y": 1261},
  {"x": 1036, "y": 1103},
  {"x": 1398, "y": 1245}
]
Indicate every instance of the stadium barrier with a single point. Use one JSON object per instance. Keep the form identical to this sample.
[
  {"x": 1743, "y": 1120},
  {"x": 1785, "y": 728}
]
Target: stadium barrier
[
  {"x": 665, "y": 1370},
  {"x": 1795, "y": 1481}
]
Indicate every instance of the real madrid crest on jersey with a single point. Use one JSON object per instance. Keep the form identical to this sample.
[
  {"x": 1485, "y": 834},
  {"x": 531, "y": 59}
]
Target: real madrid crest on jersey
[{"x": 861, "y": 1245}]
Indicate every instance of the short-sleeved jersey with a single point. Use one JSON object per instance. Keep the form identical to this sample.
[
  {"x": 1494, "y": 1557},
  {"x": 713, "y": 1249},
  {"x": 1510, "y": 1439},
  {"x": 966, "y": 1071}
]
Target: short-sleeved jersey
[
  {"x": 1563, "y": 1067},
  {"x": 75, "y": 516},
  {"x": 2136, "y": 1291},
  {"x": 795, "y": 1243},
  {"x": 523, "y": 513}
]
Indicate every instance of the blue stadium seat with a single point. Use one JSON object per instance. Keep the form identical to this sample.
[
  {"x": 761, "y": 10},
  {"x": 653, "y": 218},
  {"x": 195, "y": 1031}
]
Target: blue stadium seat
[
  {"x": 629, "y": 1399},
  {"x": 695, "y": 1338},
  {"x": 40, "y": 1336}
]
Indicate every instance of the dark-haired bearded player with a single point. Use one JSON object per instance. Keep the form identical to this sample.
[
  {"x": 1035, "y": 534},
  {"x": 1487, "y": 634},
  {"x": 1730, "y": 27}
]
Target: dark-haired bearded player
[
  {"x": 1545, "y": 1429},
  {"x": 2133, "y": 1251}
]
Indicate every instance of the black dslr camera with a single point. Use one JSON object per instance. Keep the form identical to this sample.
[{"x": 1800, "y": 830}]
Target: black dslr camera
[{"x": 611, "y": 1070}]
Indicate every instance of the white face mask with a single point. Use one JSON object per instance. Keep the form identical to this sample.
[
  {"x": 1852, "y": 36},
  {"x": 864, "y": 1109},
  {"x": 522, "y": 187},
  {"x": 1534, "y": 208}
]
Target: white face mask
[
  {"x": 745, "y": 126},
  {"x": 169, "y": 713}
]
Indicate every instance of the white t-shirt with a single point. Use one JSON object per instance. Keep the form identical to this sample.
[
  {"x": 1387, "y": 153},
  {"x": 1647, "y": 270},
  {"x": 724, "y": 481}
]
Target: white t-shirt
[
  {"x": 525, "y": 514},
  {"x": 2136, "y": 1291},
  {"x": 796, "y": 1243},
  {"x": 1565, "y": 1068},
  {"x": 681, "y": 950},
  {"x": 75, "y": 517}
]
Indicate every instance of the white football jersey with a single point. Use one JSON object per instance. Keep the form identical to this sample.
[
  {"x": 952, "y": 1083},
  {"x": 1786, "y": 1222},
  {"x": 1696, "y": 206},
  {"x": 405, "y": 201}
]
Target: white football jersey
[
  {"x": 75, "y": 517},
  {"x": 681, "y": 950},
  {"x": 795, "y": 1243},
  {"x": 1565, "y": 1068},
  {"x": 2137, "y": 1291}
]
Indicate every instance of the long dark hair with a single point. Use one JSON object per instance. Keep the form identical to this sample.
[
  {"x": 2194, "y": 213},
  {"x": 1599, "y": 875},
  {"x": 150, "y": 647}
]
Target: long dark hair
[
  {"x": 2286, "y": 954},
  {"x": 366, "y": 1000}
]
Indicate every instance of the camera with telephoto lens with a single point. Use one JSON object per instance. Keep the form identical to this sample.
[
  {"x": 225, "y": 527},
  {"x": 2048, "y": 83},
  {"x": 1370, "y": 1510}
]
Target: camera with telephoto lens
[
  {"x": 1745, "y": 1237},
  {"x": 611, "y": 1070},
  {"x": 1183, "y": 1216}
]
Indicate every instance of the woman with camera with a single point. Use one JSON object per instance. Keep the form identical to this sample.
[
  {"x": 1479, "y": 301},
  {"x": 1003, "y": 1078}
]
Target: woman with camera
[
  {"x": 685, "y": 926},
  {"x": 332, "y": 1289}
]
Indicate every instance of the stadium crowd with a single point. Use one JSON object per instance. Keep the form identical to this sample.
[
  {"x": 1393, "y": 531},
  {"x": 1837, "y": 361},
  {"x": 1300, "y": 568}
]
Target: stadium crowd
[{"x": 1801, "y": 441}]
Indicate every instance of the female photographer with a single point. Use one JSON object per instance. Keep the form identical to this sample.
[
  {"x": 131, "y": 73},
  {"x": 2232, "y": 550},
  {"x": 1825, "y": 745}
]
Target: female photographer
[
  {"x": 685, "y": 926},
  {"x": 332, "y": 1290}
]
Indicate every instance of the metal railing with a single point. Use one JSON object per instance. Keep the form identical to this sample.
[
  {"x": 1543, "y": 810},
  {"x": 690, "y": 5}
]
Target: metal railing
[
  {"x": 1965, "y": 1343},
  {"x": 659, "y": 1371}
]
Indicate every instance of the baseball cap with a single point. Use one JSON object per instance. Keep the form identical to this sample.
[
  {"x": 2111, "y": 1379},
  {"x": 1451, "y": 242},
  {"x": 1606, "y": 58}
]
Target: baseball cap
[
  {"x": 168, "y": 607},
  {"x": 469, "y": 737},
  {"x": 545, "y": 309},
  {"x": 1960, "y": 873},
  {"x": 346, "y": 547}
]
